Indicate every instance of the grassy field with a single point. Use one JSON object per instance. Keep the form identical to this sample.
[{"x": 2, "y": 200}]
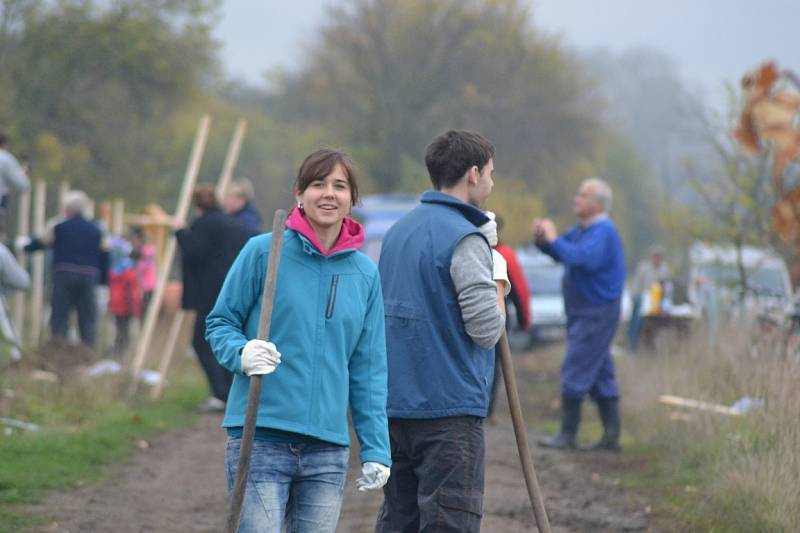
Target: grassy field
[
  {"x": 84, "y": 424},
  {"x": 708, "y": 472}
]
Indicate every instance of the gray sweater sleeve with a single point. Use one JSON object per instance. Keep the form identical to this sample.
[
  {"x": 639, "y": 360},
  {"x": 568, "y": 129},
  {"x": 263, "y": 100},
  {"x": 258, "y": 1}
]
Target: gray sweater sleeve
[{"x": 471, "y": 272}]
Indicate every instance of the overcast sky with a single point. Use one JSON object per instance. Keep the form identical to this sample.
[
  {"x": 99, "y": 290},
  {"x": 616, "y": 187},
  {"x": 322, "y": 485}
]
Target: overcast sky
[{"x": 711, "y": 41}]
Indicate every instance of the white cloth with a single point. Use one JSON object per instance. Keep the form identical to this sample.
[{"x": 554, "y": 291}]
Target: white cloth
[{"x": 500, "y": 270}]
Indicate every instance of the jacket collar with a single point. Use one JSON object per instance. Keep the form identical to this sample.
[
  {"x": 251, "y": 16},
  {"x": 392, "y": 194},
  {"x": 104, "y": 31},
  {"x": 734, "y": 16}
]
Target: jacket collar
[
  {"x": 351, "y": 237},
  {"x": 470, "y": 212}
]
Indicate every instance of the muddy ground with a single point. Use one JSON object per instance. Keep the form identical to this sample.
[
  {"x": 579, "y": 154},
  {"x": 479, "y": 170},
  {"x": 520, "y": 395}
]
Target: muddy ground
[{"x": 176, "y": 483}]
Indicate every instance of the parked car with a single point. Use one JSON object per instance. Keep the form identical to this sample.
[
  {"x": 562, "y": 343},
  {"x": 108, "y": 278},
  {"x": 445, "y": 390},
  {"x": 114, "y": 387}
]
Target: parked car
[
  {"x": 716, "y": 267},
  {"x": 543, "y": 275},
  {"x": 377, "y": 213}
]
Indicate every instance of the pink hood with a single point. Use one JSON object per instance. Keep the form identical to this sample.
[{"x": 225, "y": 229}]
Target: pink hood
[{"x": 351, "y": 237}]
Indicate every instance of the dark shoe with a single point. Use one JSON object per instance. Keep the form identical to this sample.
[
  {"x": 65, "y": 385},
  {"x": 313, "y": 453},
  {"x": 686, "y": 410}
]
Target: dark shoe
[
  {"x": 612, "y": 426},
  {"x": 562, "y": 441},
  {"x": 570, "y": 419}
]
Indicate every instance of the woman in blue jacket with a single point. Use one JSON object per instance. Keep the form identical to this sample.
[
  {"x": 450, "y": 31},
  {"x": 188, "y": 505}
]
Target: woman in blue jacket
[{"x": 328, "y": 323}]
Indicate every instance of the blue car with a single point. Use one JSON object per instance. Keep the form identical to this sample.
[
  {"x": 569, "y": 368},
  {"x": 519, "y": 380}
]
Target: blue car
[{"x": 377, "y": 213}]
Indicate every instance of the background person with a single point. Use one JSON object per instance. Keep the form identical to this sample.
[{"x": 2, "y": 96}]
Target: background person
[
  {"x": 238, "y": 203},
  {"x": 78, "y": 247},
  {"x": 208, "y": 248},
  {"x": 519, "y": 297},
  {"x": 328, "y": 323},
  {"x": 594, "y": 276},
  {"x": 649, "y": 271}
]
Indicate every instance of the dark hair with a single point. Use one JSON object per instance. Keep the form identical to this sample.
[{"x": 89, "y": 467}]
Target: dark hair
[
  {"x": 451, "y": 154},
  {"x": 317, "y": 165},
  {"x": 204, "y": 197},
  {"x": 3, "y": 138}
]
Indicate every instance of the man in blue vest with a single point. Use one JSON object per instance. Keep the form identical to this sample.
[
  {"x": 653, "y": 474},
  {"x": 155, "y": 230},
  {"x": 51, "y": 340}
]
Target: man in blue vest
[
  {"x": 444, "y": 307},
  {"x": 77, "y": 245},
  {"x": 594, "y": 276}
]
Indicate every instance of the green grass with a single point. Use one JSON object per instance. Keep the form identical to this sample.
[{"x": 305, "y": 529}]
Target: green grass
[{"x": 84, "y": 427}]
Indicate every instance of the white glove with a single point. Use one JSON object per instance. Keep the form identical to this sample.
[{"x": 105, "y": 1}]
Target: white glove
[
  {"x": 260, "y": 357},
  {"x": 21, "y": 241},
  {"x": 489, "y": 230},
  {"x": 375, "y": 476},
  {"x": 500, "y": 270}
]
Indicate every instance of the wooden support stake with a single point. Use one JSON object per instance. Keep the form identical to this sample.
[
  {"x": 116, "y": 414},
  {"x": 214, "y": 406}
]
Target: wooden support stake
[
  {"x": 23, "y": 229},
  {"x": 118, "y": 217},
  {"x": 177, "y": 321},
  {"x": 667, "y": 399},
  {"x": 182, "y": 210},
  {"x": 37, "y": 264},
  {"x": 231, "y": 158}
]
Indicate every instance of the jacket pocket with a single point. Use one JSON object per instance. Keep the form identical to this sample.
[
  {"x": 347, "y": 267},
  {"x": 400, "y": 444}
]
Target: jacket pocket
[{"x": 332, "y": 296}]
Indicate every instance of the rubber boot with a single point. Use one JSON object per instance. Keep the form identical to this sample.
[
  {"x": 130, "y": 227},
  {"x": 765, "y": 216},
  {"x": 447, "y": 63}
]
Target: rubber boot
[
  {"x": 570, "y": 419},
  {"x": 612, "y": 426}
]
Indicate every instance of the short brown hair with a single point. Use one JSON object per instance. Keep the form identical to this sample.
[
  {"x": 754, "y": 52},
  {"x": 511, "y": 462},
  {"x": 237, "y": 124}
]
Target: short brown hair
[
  {"x": 204, "y": 197},
  {"x": 452, "y": 153},
  {"x": 320, "y": 163}
]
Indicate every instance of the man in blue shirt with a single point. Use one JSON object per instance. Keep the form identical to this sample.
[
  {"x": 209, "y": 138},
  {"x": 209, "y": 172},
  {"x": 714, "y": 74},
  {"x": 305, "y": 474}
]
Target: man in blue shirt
[
  {"x": 594, "y": 276},
  {"x": 443, "y": 291}
]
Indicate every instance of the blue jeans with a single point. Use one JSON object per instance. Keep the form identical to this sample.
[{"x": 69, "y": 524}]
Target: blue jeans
[{"x": 300, "y": 486}]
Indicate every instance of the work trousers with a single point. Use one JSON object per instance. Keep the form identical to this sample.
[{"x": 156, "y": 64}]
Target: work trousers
[
  {"x": 436, "y": 482},
  {"x": 219, "y": 378},
  {"x": 73, "y": 290}
]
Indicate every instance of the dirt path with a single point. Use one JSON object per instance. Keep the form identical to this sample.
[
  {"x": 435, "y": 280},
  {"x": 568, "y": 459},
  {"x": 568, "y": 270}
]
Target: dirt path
[{"x": 177, "y": 485}]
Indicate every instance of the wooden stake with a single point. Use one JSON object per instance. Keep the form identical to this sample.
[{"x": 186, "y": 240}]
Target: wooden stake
[
  {"x": 697, "y": 404},
  {"x": 37, "y": 264},
  {"x": 172, "y": 339},
  {"x": 118, "y": 217},
  {"x": 177, "y": 321},
  {"x": 189, "y": 180},
  {"x": 23, "y": 229},
  {"x": 231, "y": 158}
]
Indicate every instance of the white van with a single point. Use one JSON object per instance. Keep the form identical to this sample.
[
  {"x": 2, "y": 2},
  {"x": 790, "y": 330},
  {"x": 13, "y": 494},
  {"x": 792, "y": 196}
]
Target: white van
[{"x": 715, "y": 265}]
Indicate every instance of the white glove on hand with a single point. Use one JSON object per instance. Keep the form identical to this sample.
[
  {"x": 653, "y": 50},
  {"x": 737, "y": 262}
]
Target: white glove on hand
[
  {"x": 260, "y": 357},
  {"x": 500, "y": 270},
  {"x": 489, "y": 230},
  {"x": 21, "y": 241},
  {"x": 375, "y": 476}
]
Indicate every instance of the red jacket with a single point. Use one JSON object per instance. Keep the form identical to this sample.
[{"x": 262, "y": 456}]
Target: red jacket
[
  {"x": 520, "y": 294},
  {"x": 124, "y": 293}
]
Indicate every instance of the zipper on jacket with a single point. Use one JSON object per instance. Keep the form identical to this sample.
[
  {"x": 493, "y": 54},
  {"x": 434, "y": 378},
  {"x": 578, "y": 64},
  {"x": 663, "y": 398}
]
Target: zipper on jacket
[{"x": 332, "y": 296}]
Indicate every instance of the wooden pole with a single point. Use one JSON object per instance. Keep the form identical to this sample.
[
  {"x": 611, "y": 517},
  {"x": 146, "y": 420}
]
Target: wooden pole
[
  {"x": 118, "y": 217},
  {"x": 231, "y": 158},
  {"x": 23, "y": 229},
  {"x": 520, "y": 432},
  {"x": 254, "y": 391},
  {"x": 182, "y": 210},
  {"x": 177, "y": 321},
  {"x": 37, "y": 264},
  {"x": 63, "y": 189},
  {"x": 172, "y": 339}
]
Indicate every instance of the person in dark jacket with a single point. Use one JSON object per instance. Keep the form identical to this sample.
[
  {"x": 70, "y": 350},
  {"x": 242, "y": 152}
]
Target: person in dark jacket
[
  {"x": 78, "y": 246},
  {"x": 208, "y": 248},
  {"x": 594, "y": 276},
  {"x": 444, "y": 290},
  {"x": 238, "y": 203}
]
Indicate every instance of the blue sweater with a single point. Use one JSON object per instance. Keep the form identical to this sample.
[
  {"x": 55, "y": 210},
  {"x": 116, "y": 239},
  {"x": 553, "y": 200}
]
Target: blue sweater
[
  {"x": 594, "y": 260},
  {"x": 327, "y": 322}
]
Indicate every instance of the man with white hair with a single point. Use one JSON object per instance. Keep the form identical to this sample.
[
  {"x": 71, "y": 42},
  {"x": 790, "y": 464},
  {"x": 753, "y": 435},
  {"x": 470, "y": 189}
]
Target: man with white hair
[
  {"x": 594, "y": 276},
  {"x": 77, "y": 246},
  {"x": 237, "y": 201}
]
